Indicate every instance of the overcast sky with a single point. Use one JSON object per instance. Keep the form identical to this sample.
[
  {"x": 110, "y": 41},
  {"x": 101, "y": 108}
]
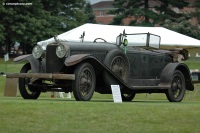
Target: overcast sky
[{"x": 95, "y": 1}]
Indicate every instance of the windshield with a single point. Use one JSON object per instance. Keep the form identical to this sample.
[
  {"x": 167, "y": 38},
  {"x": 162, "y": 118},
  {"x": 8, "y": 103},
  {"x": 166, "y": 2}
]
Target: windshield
[{"x": 141, "y": 40}]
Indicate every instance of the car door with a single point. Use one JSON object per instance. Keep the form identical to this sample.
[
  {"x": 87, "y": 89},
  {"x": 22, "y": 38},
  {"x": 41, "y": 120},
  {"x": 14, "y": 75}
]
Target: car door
[{"x": 146, "y": 64}]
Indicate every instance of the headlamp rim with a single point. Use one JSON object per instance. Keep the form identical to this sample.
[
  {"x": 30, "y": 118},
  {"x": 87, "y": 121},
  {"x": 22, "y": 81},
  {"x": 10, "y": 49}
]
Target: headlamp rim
[
  {"x": 41, "y": 51},
  {"x": 65, "y": 51}
]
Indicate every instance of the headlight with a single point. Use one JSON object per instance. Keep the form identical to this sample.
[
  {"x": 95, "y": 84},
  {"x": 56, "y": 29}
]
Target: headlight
[
  {"x": 62, "y": 51},
  {"x": 37, "y": 51}
]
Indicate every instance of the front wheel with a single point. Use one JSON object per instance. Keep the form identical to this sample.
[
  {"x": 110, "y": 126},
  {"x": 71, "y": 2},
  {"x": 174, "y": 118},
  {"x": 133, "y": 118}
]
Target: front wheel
[
  {"x": 177, "y": 90},
  {"x": 25, "y": 90},
  {"x": 84, "y": 85}
]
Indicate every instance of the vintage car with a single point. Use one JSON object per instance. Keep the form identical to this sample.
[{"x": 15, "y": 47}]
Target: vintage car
[{"x": 134, "y": 62}]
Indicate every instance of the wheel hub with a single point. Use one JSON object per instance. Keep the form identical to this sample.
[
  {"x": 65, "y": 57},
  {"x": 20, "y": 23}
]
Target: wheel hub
[
  {"x": 118, "y": 67},
  {"x": 176, "y": 86},
  {"x": 85, "y": 82}
]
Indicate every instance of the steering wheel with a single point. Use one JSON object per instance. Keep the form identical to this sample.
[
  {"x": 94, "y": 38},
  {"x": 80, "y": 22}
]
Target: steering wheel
[{"x": 99, "y": 39}]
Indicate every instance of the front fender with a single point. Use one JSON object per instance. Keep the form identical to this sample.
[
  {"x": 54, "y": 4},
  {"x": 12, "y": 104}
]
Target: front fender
[
  {"x": 99, "y": 67},
  {"x": 167, "y": 74},
  {"x": 75, "y": 59},
  {"x": 35, "y": 64},
  {"x": 22, "y": 58}
]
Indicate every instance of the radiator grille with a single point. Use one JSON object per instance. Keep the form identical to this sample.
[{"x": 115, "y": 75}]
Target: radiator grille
[{"x": 53, "y": 63}]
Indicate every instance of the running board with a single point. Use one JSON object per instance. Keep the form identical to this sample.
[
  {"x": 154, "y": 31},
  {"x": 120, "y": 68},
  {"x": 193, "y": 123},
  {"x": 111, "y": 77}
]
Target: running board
[{"x": 149, "y": 87}]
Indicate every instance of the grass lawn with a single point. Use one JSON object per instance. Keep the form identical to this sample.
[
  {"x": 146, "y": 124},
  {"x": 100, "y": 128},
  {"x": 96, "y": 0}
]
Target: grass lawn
[{"x": 146, "y": 113}]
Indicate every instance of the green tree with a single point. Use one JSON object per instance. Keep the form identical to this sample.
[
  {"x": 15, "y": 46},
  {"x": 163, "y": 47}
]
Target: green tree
[
  {"x": 65, "y": 14},
  {"x": 156, "y": 14},
  {"x": 42, "y": 19},
  {"x": 197, "y": 10},
  {"x": 89, "y": 13},
  {"x": 181, "y": 22},
  {"x": 162, "y": 14},
  {"x": 126, "y": 9},
  {"x": 196, "y": 29},
  {"x": 2, "y": 36}
]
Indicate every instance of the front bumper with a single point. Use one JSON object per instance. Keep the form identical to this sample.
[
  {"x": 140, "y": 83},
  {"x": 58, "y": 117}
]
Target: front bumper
[{"x": 41, "y": 76}]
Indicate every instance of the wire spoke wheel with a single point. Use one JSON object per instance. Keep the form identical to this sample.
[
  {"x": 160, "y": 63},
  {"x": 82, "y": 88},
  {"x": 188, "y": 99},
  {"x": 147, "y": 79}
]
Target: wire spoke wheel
[
  {"x": 118, "y": 62},
  {"x": 118, "y": 66},
  {"x": 176, "y": 86},
  {"x": 177, "y": 90},
  {"x": 26, "y": 91},
  {"x": 84, "y": 85}
]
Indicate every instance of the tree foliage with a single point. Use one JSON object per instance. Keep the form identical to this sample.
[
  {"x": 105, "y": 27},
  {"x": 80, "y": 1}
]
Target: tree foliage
[
  {"x": 197, "y": 10},
  {"x": 42, "y": 19},
  {"x": 89, "y": 13},
  {"x": 151, "y": 14},
  {"x": 162, "y": 13}
]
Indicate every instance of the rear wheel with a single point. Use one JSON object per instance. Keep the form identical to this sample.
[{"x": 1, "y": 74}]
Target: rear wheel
[
  {"x": 26, "y": 91},
  {"x": 177, "y": 90},
  {"x": 128, "y": 97},
  {"x": 84, "y": 85}
]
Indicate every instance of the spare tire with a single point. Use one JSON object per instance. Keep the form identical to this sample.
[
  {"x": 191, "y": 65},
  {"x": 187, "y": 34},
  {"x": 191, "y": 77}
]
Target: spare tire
[{"x": 118, "y": 62}]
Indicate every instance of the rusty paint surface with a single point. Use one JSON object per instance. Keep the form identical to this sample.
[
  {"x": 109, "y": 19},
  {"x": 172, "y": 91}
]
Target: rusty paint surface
[
  {"x": 41, "y": 75},
  {"x": 21, "y": 57},
  {"x": 72, "y": 60}
]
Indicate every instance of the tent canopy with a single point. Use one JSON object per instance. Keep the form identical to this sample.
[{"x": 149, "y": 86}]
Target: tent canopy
[{"x": 110, "y": 32}]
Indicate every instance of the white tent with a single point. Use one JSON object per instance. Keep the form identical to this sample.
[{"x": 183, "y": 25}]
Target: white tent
[{"x": 110, "y": 32}]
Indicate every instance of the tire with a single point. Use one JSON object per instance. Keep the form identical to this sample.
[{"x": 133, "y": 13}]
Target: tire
[
  {"x": 118, "y": 62},
  {"x": 177, "y": 90},
  {"x": 84, "y": 85},
  {"x": 25, "y": 91},
  {"x": 128, "y": 97}
]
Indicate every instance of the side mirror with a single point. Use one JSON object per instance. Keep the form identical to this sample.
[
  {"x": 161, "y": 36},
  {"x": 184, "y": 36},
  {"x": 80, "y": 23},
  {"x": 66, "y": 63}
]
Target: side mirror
[{"x": 118, "y": 40}]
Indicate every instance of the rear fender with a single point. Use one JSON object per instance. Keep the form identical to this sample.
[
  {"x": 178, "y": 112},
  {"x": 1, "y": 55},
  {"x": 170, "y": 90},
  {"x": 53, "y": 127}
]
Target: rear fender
[
  {"x": 35, "y": 63},
  {"x": 167, "y": 75}
]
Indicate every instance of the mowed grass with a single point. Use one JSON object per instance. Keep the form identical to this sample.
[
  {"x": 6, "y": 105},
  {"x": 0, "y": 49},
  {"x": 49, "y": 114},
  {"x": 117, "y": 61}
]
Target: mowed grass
[
  {"x": 146, "y": 113},
  {"x": 97, "y": 116}
]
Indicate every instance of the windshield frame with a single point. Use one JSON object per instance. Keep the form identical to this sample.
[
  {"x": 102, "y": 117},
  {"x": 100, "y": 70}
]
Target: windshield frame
[{"x": 120, "y": 40}]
